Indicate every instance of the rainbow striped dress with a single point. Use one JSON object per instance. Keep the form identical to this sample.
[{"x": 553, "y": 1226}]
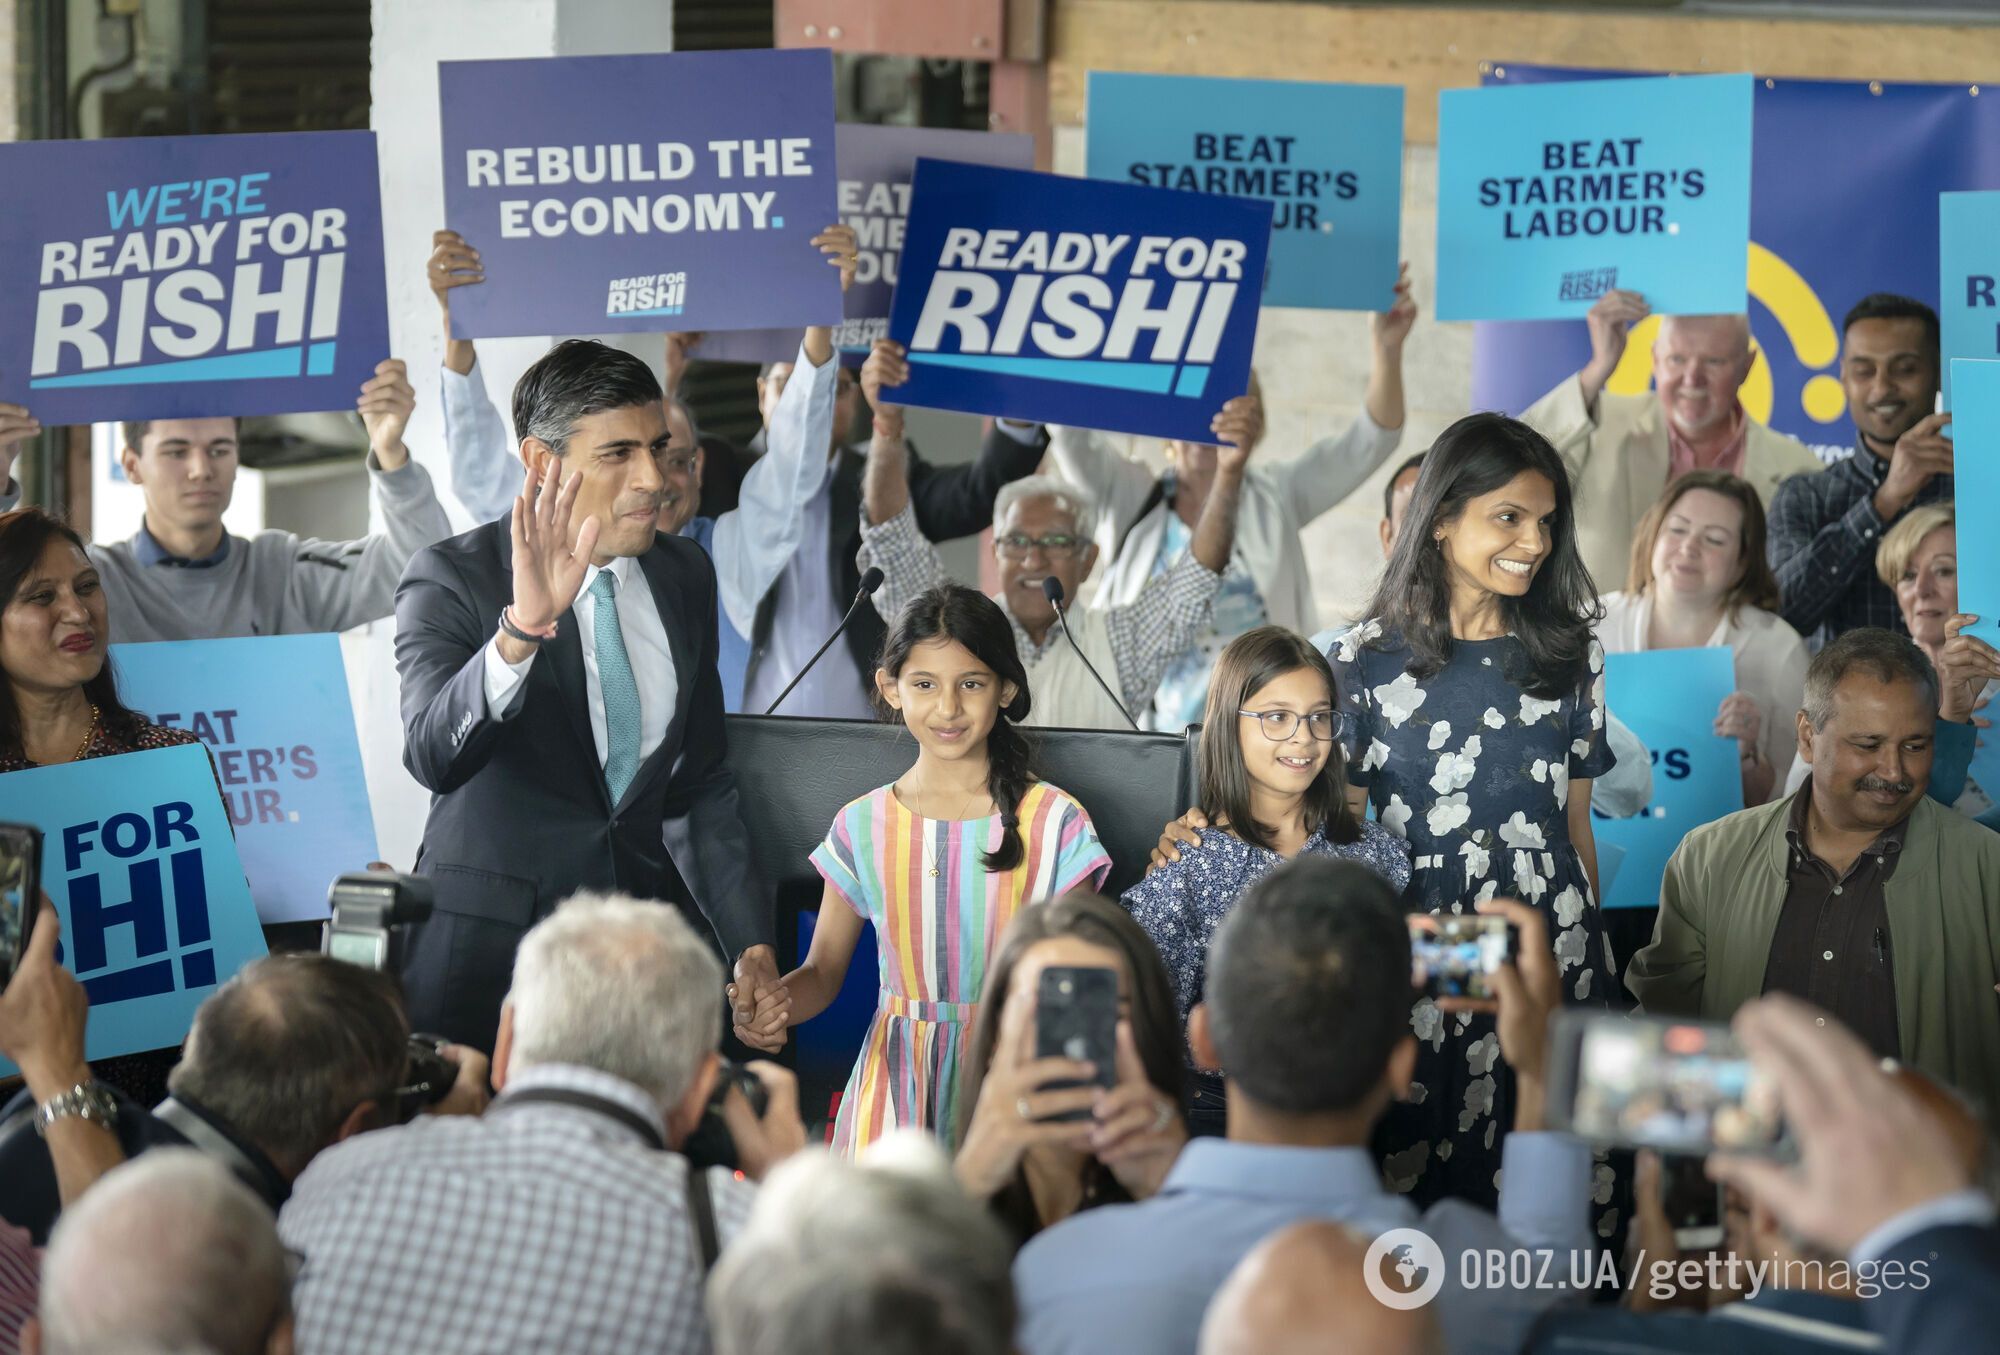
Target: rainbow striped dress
[{"x": 934, "y": 935}]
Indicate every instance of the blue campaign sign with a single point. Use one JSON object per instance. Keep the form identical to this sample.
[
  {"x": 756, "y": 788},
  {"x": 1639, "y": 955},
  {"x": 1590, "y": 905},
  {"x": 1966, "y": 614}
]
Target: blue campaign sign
[
  {"x": 137, "y": 857},
  {"x": 1975, "y": 432},
  {"x": 1069, "y": 301},
  {"x": 1669, "y": 698},
  {"x": 1328, "y": 158},
  {"x": 1551, "y": 195},
  {"x": 274, "y": 711},
  {"x": 875, "y": 166},
  {"x": 188, "y": 276},
  {"x": 674, "y": 191},
  {"x": 1968, "y": 270}
]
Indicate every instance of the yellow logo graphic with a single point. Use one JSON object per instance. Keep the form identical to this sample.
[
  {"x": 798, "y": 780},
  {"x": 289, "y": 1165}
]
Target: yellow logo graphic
[{"x": 1800, "y": 314}]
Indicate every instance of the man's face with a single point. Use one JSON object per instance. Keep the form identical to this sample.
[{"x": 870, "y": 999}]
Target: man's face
[
  {"x": 1038, "y": 540},
  {"x": 770, "y": 386},
  {"x": 680, "y": 469},
  {"x": 618, "y": 452},
  {"x": 1872, "y": 761},
  {"x": 847, "y": 399},
  {"x": 1399, "y": 508},
  {"x": 187, "y": 468},
  {"x": 1890, "y": 374},
  {"x": 1699, "y": 361}
]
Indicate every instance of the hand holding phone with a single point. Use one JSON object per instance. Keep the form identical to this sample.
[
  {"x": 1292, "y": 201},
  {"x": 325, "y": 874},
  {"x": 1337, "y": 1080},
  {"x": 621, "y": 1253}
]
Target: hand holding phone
[
  {"x": 43, "y": 1011},
  {"x": 1683, "y": 1087},
  {"x": 1076, "y": 1017},
  {"x": 20, "y": 887},
  {"x": 1456, "y": 954}
]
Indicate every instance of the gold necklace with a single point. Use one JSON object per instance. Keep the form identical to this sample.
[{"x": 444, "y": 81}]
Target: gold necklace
[
  {"x": 930, "y": 856},
  {"x": 88, "y": 735}
]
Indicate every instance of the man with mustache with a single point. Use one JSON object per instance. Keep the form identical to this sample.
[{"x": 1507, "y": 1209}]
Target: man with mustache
[{"x": 1856, "y": 894}]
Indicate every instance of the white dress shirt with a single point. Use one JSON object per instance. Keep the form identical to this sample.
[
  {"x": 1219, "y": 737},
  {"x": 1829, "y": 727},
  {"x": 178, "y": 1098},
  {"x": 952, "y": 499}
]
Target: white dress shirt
[{"x": 646, "y": 648}]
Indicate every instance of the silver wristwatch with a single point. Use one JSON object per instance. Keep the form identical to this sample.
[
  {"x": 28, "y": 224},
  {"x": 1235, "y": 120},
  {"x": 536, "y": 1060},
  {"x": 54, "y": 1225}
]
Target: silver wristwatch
[{"x": 84, "y": 1101}]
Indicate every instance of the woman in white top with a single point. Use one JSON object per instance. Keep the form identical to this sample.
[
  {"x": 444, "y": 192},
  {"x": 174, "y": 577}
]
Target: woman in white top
[{"x": 1699, "y": 577}]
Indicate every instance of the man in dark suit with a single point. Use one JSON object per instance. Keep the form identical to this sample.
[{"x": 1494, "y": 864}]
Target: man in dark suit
[{"x": 560, "y": 700}]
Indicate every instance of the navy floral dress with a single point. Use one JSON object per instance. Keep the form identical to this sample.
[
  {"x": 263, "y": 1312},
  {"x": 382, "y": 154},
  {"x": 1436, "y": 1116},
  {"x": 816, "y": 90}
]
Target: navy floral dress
[{"x": 1474, "y": 773}]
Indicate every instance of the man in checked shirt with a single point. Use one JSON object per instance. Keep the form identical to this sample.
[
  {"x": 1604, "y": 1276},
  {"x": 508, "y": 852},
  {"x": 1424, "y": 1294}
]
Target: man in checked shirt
[
  {"x": 1825, "y": 528},
  {"x": 1042, "y": 530}
]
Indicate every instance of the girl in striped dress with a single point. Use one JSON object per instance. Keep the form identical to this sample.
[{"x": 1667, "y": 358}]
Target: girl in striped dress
[{"x": 939, "y": 861}]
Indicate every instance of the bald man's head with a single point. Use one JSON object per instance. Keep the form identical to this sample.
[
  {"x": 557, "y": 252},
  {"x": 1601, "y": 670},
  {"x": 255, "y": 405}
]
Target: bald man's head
[
  {"x": 1699, "y": 362},
  {"x": 1299, "y": 1285}
]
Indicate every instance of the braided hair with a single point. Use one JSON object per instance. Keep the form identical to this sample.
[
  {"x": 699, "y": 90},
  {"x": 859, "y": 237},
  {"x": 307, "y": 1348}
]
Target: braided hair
[{"x": 969, "y": 618}]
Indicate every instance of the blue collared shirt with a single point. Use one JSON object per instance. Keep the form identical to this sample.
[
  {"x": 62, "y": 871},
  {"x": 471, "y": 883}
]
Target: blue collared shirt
[
  {"x": 146, "y": 548},
  {"x": 1138, "y": 1277}
]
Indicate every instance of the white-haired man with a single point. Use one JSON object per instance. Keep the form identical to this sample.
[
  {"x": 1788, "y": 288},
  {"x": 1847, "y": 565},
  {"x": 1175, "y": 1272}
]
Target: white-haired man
[
  {"x": 169, "y": 1252},
  {"x": 1622, "y": 450},
  {"x": 886, "y": 1255},
  {"x": 563, "y": 1218},
  {"x": 1043, "y": 530}
]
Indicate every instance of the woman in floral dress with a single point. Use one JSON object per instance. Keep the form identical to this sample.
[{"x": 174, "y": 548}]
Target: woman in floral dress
[{"x": 1475, "y": 702}]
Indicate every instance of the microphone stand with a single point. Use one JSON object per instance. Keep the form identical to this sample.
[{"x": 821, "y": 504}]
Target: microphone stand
[{"x": 870, "y": 581}]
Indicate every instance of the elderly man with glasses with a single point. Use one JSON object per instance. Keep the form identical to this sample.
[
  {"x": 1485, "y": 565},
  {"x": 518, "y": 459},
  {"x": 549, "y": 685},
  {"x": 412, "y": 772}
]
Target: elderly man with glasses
[{"x": 1043, "y": 530}]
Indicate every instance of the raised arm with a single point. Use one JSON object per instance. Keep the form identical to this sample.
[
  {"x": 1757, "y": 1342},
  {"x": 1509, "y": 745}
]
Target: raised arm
[{"x": 1117, "y": 484}]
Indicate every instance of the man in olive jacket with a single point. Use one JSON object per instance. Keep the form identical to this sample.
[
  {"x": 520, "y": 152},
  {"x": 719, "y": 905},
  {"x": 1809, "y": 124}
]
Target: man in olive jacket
[{"x": 1858, "y": 894}]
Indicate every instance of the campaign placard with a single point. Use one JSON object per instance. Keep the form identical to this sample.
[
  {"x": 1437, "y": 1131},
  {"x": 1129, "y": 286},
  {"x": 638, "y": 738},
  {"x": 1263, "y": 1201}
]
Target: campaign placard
[
  {"x": 275, "y": 712},
  {"x": 875, "y": 166},
  {"x": 189, "y": 276},
  {"x": 670, "y": 191},
  {"x": 1551, "y": 195},
  {"x": 1101, "y": 305},
  {"x": 1328, "y": 158},
  {"x": 1975, "y": 435},
  {"x": 1969, "y": 270},
  {"x": 1669, "y": 697},
  {"x": 138, "y": 860}
]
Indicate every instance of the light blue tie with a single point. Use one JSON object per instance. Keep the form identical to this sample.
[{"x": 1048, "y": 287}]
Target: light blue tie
[{"x": 618, "y": 687}]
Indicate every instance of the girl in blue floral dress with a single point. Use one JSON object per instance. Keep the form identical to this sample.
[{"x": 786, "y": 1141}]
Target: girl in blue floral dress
[{"x": 1474, "y": 697}]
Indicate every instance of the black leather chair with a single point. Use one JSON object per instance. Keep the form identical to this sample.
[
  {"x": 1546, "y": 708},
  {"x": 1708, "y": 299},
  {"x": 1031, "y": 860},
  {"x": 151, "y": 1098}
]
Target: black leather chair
[{"x": 793, "y": 775}]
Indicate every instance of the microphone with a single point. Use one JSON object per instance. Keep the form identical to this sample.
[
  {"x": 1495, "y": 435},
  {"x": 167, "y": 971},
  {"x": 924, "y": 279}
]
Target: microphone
[
  {"x": 1052, "y": 589},
  {"x": 870, "y": 581}
]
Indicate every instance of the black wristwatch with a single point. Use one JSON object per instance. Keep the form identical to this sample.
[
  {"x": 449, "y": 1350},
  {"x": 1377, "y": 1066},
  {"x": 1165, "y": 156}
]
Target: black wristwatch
[{"x": 85, "y": 1101}]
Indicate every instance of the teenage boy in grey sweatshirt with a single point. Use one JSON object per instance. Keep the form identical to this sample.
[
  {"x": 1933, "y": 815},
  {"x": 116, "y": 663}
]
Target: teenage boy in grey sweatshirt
[{"x": 184, "y": 578}]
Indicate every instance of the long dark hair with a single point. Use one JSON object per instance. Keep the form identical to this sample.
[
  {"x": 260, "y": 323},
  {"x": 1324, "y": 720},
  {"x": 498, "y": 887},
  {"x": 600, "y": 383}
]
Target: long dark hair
[
  {"x": 1245, "y": 667},
  {"x": 1155, "y": 1018},
  {"x": 970, "y": 618},
  {"x": 24, "y": 534},
  {"x": 1477, "y": 455}
]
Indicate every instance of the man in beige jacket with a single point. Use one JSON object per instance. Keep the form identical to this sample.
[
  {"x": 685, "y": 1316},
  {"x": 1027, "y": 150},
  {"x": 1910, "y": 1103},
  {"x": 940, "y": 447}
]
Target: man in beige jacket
[{"x": 1622, "y": 450}]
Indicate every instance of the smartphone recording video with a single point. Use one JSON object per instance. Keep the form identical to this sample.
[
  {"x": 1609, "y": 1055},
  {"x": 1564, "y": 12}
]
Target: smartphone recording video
[
  {"x": 1076, "y": 1017},
  {"x": 1456, "y": 954},
  {"x": 20, "y": 888},
  {"x": 1675, "y": 1086}
]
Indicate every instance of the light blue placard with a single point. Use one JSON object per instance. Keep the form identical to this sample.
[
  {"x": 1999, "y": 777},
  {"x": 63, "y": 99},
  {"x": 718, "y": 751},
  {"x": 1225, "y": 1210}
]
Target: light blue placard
[
  {"x": 1551, "y": 195},
  {"x": 1975, "y": 438},
  {"x": 275, "y": 712},
  {"x": 1669, "y": 697},
  {"x": 1329, "y": 158},
  {"x": 137, "y": 857},
  {"x": 1968, "y": 278}
]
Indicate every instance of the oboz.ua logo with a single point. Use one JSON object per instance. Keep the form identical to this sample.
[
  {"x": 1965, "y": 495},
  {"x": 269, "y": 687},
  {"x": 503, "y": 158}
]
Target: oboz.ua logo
[{"x": 1060, "y": 317}]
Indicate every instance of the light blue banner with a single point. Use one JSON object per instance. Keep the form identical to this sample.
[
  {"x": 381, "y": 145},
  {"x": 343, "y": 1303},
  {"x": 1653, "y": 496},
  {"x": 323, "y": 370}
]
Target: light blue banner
[
  {"x": 274, "y": 711},
  {"x": 1551, "y": 195},
  {"x": 1669, "y": 697},
  {"x": 1329, "y": 158},
  {"x": 1975, "y": 433},
  {"x": 138, "y": 860},
  {"x": 1968, "y": 275}
]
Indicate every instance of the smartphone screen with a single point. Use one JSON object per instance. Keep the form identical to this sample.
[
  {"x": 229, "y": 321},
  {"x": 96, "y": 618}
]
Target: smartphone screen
[
  {"x": 20, "y": 887},
  {"x": 1076, "y": 1017},
  {"x": 1456, "y": 954},
  {"x": 1677, "y": 1086},
  {"x": 1693, "y": 1203}
]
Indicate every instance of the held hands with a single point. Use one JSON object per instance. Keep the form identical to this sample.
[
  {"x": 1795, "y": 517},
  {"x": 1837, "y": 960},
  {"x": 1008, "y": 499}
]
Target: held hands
[
  {"x": 1741, "y": 719},
  {"x": 1390, "y": 327},
  {"x": 1965, "y": 665},
  {"x": 886, "y": 368},
  {"x": 548, "y": 569},
  {"x": 1868, "y": 1149},
  {"x": 841, "y": 250},
  {"x": 759, "y": 1003},
  {"x": 1015, "y": 1105},
  {"x": 43, "y": 1012},
  {"x": 17, "y": 425},
  {"x": 1919, "y": 454},
  {"x": 386, "y": 404}
]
